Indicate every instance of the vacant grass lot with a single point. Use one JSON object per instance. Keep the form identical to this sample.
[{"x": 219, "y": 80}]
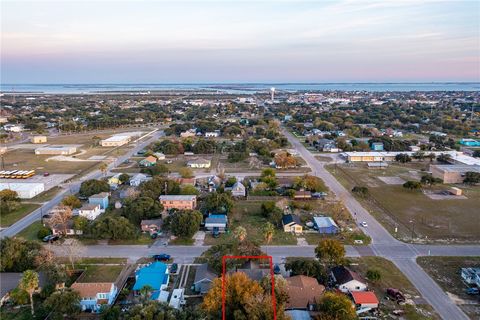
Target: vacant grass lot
[
  {"x": 30, "y": 232},
  {"x": 391, "y": 277},
  {"x": 7, "y": 219},
  {"x": 412, "y": 211},
  {"x": 446, "y": 272},
  {"x": 101, "y": 273},
  {"x": 248, "y": 214}
]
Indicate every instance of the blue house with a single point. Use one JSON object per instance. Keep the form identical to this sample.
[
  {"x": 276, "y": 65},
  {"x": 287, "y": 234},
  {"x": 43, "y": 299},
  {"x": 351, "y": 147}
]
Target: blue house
[
  {"x": 377, "y": 146},
  {"x": 470, "y": 142},
  {"x": 325, "y": 225},
  {"x": 154, "y": 275},
  {"x": 100, "y": 199}
]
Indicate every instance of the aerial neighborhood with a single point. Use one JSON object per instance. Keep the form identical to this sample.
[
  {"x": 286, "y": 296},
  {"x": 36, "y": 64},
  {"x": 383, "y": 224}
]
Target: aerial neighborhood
[{"x": 350, "y": 205}]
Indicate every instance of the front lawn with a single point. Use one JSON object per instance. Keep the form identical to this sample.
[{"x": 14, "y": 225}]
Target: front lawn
[
  {"x": 99, "y": 273},
  {"x": 7, "y": 219},
  {"x": 30, "y": 232}
]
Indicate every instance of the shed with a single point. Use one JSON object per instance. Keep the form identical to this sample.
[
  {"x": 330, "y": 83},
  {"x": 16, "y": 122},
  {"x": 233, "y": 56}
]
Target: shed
[
  {"x": 365, "y": 299},
  {"x": 325, "y": 225}
]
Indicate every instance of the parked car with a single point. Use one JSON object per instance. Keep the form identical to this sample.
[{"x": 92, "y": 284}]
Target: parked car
[
  {"x": 396, "y": 295},
  {"x": 174, "y": 268},
  {"x": 472, "y": 291},
  {"x": 161, "y": 257},
  {"x": 46, "y": 174},
  {"x": 364, "y": 224},
  {"x": 50, "y": 238},
  {"x": 276, "y": 269}
]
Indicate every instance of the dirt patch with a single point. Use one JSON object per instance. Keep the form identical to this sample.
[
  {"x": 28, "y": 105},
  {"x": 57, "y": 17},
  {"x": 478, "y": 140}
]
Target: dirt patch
[{"x": 392, "y": 180}]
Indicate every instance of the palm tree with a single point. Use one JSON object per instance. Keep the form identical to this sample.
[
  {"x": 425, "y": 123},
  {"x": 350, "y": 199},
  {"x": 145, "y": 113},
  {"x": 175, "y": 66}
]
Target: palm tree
[
  {"x": 145, "y": 292},
  {"x": 29, "y": 283},
  {"x": 103, "y": 168},
  {"x": 240, "y": 233},
  {"x": 268, "y": 232}
]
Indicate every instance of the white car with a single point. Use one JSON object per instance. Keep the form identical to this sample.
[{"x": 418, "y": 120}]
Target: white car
[{"x": 364, "y": 224}]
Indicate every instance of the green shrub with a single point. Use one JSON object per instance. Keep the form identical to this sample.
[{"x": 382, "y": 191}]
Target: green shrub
[{"x": 43, "y": 232}]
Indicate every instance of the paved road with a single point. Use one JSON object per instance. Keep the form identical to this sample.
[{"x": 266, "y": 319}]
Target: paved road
[
  {"x": 73, "y": 187},
  {"x": 384, "y": 244}
]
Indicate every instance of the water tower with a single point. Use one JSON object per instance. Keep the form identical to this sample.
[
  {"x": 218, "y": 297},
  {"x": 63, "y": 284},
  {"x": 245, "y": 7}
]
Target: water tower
[{"x": 272, "y": 92}]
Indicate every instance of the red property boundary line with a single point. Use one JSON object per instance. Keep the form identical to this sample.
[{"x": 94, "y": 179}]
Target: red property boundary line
[{"x": 272, "y": 278}]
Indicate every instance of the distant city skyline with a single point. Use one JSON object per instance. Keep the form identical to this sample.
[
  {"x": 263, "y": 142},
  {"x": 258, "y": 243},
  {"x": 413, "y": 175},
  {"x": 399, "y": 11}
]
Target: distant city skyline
[{"x": 239, "y": 42}]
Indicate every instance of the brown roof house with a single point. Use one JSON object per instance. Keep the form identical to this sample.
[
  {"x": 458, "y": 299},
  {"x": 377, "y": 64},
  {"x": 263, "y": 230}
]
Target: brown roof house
[
  {"x": 303, "y": 292},
  {"x": 179, "y": 202},
  {"x": 151, "y": 226},
  {"x": 253, "y": 270}
]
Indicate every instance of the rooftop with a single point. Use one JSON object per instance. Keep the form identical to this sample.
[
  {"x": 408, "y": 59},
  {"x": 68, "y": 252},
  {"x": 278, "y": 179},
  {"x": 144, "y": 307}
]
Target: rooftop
[
  {"x": 173, "y": 197},
  {"x": 364, "y": 297},
  {"x": 324, "y": 222},
  {"x": 303, "y": 290}
]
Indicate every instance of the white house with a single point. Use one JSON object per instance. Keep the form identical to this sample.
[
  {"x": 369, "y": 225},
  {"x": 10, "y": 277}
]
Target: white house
[
  {"x": 138, "y": 179},
  {"x": 199, "y": 163},
  {"x": 214, "y": 134},
  {"x": 238, "y": 190},
  {"x": 347, "y": 280},
  {"x": 90, "y": 211},
  {"x": 94, "y": 295},
  {"x": 159, "y": 155},
  {"x": 177, "y": 299}
]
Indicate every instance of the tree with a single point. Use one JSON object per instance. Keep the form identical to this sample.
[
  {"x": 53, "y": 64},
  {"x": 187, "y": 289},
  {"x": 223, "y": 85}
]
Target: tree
[
  {"x": 9, "y": 201},
  {"x": 418, "y": 155},
  {"x": 141, "y": 208},
  {"x": 337, "y": 306},
  {"x": 281, "y": 293},
  {"x": 91, "y": 187},
  {"x": 310, "y": 183},
  {"x": 431, "y": 156},
  {"x": 218, "y": 202},
  {"x": 60, "y": 217},
  {"x": 152, "y": 310},
  {"x": 285, "y": 160},
  {"x": 43, "y": 232},
  {"x": 272, "y": 212},
  {"x": 230, "y": 182},
  {"x": 63, "y": 303},
  {"x": 80, "y": 223},
  {"x": 124, "y": 177},
  {"x": 19, "y": 296},
  {"x": 239, "y": 289},
  {"x": 429, "y": 180},
  {"x": 373, "y": 275},
  {"x": 189, "y": 189},
  {"x": 240, "y": 233},
  {"x": 184, "y": 223},
  {"x": 29, "y": 283},
  {"x": 73, "y": 249},
  {"x": 306, "y": 267},
  {"x": 472, "y": 177},
  {"x": 158, "y": 186},
  {"x": 103, "y": 168},
  {"x": 114, "y": 228},
  {"x": 444, "y": 158},
  {"x": 71, "y": 201},
  {"x": 476, "y": 154},
  {"x": 17, "y": 254},
  {"x": 412, "y": 185},
  {"x": 268, "y": 172},
  {"x": 361, "y": 191},
  {"x": 157, "y": 169},
  {"x": 330, "y": 252},
  {"x": 145, "y": 293},
  {"x": 403, "y": 158},
  {"x": 185, "y": 172},
  {"x": 268, "y": 232}
]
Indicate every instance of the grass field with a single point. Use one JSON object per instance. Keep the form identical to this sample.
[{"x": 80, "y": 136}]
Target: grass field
[
  {"x": 391, "y": 277},
  {"x": 47, "y": 195},
  {"x": 7, "y": 219},
  {"x": 142, "y": 239},
  {"x": 248, "y": 214},
  {"x": 412, "y": 211},
  {"x": 30, "y": 232},
  {"x": 446, "y": 272},
  {"x": 99, "y": 273}
]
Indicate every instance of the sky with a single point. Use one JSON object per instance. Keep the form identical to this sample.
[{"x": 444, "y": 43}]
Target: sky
[{"x": 238, "y": 41}]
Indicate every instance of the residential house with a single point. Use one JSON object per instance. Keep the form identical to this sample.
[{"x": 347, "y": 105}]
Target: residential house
[
  {"x": 100, "y": 199},
  {"x": 188, "y": 133},
  {"x": 303, "y": 292},
  {"x": 347, "y": 280},
  {"x": 299, "y": 195},
  {"x": 179, "y": 202},
  {"x": 253, "y": 270},
  {"x": 95, "y": 295},
  {"x": 214, "y": 134},
  {"x": 203, "y": 278},
  {"x": 216, "y": 223},
  {"x": 471, "y": 276},
  {"x": 325, "y": 225},
  {"x": 199, "y": 163},
  {"x": 238, "y": 190},
  {"x": 90, "y": 211},
  {"x": 292, "y": 223},
  {"x": 159, "y": 156},
  {"x": 115, "y": 180},
  {"x": 58, "y": 229},
  {"x": 154, "y": 275},
  {"x": 138, "y": 179},
  {"x": 151, "y": 226},
  {"x": 149, "y": 161},
  {"x": 364, "y": 300}
]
